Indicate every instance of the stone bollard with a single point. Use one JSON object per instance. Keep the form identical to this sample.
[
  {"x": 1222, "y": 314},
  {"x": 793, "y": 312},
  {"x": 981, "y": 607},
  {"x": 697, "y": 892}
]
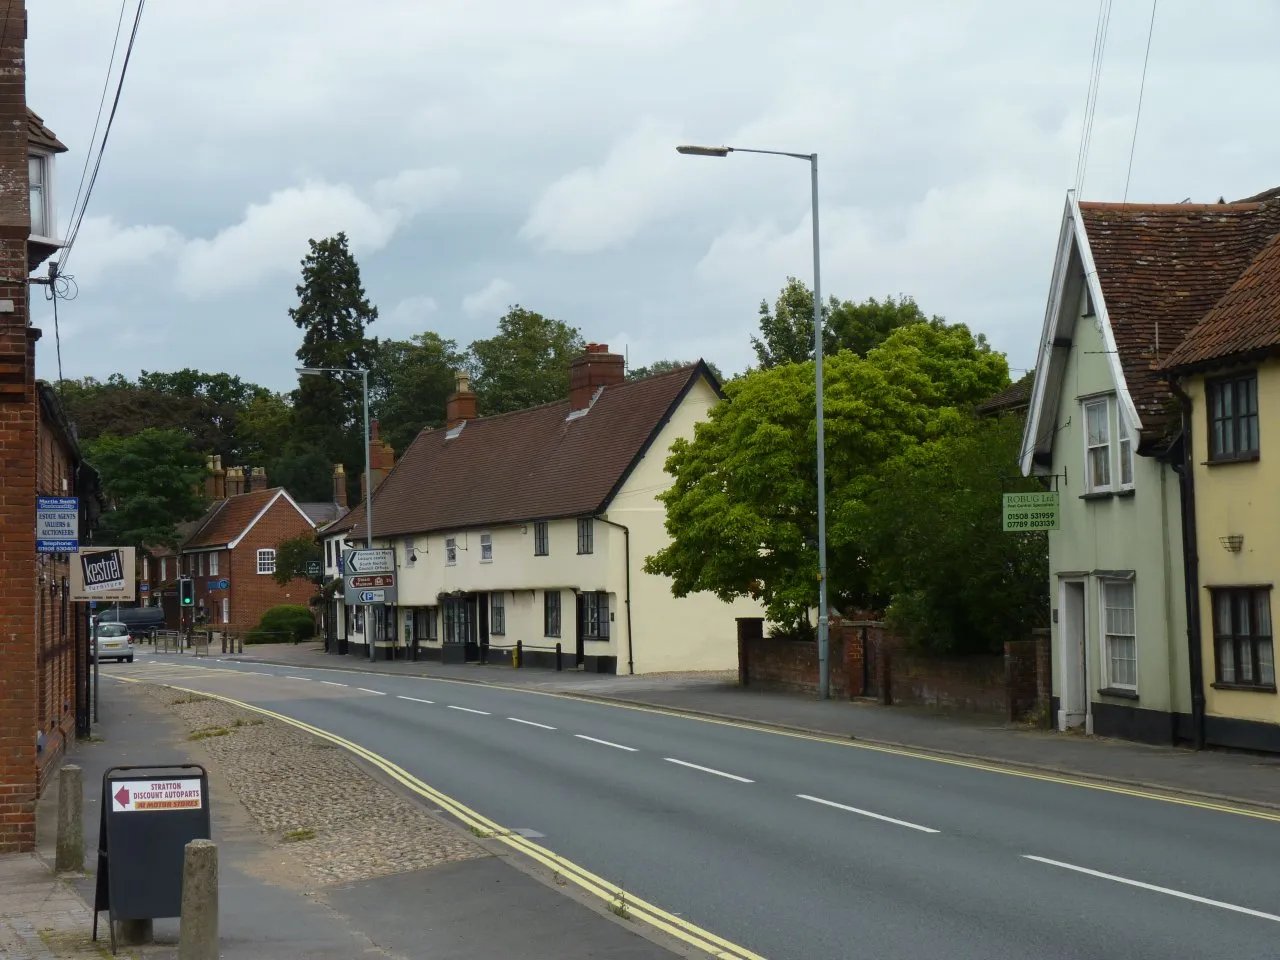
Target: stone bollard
[
  {"x": 198, "y": 931},
  {"x": 134, "y": 933},
  {"x": 70, "y": 853}
]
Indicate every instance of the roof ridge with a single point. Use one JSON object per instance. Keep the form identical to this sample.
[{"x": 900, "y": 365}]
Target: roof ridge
[{"x": 1233, "y": 206}]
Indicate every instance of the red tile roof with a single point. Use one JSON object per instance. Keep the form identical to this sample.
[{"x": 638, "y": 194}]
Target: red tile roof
[
  {"x": 42, "y": 136},
  {"x": 533, "y": 464},
  {"x": 229, "y": 519},
  {"x": 1017, "y": 396},
  {"x": 1161, "y": 268}
]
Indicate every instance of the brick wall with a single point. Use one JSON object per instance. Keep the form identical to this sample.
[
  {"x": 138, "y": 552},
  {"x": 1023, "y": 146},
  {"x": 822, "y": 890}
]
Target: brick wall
[
  {"x": 252, "y": 593},
  {"x": 19, "y": 683}
]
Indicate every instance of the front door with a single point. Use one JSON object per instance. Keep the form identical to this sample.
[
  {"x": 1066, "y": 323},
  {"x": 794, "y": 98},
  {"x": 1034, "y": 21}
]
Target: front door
[
  {"x": 482, "y": 626},
  {"x": 580, "y": 607},
  {"x": 1074, "y": 702}
]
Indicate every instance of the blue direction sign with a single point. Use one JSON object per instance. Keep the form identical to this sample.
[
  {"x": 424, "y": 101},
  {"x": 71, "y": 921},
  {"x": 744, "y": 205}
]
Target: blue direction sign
[
  {"x": 218, "y": 584},
  {"x": 57, "y": 524}
]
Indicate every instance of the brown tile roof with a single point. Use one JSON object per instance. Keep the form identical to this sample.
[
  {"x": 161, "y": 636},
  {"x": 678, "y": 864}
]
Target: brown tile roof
[
  {"x": 1016, "y": 396},
  {"x": 1245, "y": 320},
  {"x": 42, "y": 136},
  {"x": 1161, "y": 268},
  {"x": 529, "y": 465},
  {"x": 229, "y": 518}
]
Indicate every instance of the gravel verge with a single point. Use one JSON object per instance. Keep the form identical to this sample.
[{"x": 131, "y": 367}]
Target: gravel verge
[{"x": 299, "y": 790}]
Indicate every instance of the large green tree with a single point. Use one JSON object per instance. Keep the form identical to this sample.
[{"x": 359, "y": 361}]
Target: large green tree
[
  {"x": 666, "y": 366},
  {"x": 151, "y": 482},
  {"x": 786, "y": 328},
  {"x": 412, "y": 379},
  {"x": 742, "y": 512},
  {"x": 526, "y": 363},
  {"x": 956, "y": 582},
  {"x": 293, "y": 555}
]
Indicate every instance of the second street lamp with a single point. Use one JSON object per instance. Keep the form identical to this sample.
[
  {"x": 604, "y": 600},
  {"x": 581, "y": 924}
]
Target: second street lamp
[
  {"x": 368, "y": 474},
  {"x": 824, "y": 660}
]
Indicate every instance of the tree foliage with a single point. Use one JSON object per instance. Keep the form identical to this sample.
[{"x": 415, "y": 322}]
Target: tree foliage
[
  {"x": 742, "y": 511},
  {"x": 412, "y": 379},
  {"x": 526, "y": 363},
  {"x": 151, "y": 482},
  {"x": 293, "y": 555},
  {"x": 957, "y": 582},
  {"x": 666, "y": 366}
]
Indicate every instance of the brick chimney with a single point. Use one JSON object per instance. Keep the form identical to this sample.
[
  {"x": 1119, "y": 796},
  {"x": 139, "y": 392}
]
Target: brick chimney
[
  {"x": 210, "y": 481},
  {"x": 235, "y": 481},
  {"x": 461, "y": 404},
  {"x": 590, "y": 371},
  {"x": 382, "y": 457},
  {"x": 339, "y": 485},
  {"x": 219, "y": 479},
  {"x": 257, "y": 479}
]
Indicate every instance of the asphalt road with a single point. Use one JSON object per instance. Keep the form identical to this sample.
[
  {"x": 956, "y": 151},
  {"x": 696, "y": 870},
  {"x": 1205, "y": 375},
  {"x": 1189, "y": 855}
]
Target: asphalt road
[{"x": 799, "y": 848}]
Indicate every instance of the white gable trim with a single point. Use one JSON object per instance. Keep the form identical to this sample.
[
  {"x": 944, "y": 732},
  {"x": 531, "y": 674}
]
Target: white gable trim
[
  {"x": 263, "y": 512},
  {"x": 1056, "y": 341}
]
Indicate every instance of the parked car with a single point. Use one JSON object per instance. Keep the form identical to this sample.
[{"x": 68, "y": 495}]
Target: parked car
[{"x": 112, "y": 641}]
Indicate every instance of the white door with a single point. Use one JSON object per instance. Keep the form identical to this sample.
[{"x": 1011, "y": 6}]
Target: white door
[{"x": 1074, "y": 703}]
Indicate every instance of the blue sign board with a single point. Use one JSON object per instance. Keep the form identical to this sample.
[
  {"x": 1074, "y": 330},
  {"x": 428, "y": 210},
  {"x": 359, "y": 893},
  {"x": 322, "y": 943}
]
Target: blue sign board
[
  {"x": 144, "y": 587},
  {"x": 57, "y": 524},
  {"x": 342, "y": 566},
  {"x": 219, "y": 584}
]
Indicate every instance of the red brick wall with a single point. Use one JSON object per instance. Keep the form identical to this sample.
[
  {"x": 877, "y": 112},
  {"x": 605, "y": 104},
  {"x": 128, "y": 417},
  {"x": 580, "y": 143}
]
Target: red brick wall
[
  {"x": 792, "y": 665},
  {"x": 19, "y": 683},
  {"x": 252, "y": 593}
]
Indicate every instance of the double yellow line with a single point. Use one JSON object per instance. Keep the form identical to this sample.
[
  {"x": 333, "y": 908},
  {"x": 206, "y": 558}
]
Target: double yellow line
[{"x": 605, "y": 890}]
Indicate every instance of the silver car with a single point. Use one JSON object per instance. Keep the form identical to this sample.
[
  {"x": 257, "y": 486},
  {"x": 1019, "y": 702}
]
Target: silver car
[{"x": 112, "y": 641}]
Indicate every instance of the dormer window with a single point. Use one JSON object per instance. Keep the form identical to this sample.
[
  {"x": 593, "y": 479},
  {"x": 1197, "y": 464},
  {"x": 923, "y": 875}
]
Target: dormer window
[{"x": 38, "y": 170}]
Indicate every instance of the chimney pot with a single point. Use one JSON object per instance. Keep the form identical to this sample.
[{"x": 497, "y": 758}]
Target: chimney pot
[
  {"x": 339, "y": 485},
  {"x": 591, "y": 370},
  {"x": 461, "y": 404}
]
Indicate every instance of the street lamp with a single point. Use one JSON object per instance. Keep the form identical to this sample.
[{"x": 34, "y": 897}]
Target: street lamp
[
  {"x": 368, "y": 474},
  {"x": 824, "y": 660}
]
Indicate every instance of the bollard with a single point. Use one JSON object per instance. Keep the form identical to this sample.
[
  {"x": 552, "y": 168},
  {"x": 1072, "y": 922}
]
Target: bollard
[
  {"x": 519, "y": 654},
  {"x": 70, "y": 852},
  {"x": 240, "y": 644},
  {"x": 134, "y": 933},
  {"x": 559, "y": 664},
  {"x": 198, "y": 928}
]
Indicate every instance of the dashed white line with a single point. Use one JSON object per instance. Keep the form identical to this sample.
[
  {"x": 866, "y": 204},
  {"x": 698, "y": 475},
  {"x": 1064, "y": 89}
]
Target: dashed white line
[
  {"x": 414, "y": 699},
  {"x": 1155, "y": 889},
  {"x": 333, "y": 683},
  {"x": 868, "y": 813},
  {"x": 483, "y": 713},
  {"x": 287, "y": 677},
  {"x": 530, "y": 723},
  {"x": 367, "y": 690},
  {"x": 258, "y": 673},
  {"x": 718, "y": 773},
  {"x": 606, "y": 743}
]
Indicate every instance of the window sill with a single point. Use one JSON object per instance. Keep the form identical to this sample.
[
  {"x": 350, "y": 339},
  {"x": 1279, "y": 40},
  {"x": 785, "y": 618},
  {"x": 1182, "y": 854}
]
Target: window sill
[
  {"x": 1243, "y": 687},
  {"x": 1126, "y": 493},
  {"x": 490, "y": 560},
  {"x": 1253, "y": 457},
  {"x": 1118, "y": 692},
  {"x": 1097, "y": 495}
]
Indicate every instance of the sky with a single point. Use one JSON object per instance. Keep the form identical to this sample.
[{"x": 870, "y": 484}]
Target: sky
[{"x": 482, "y": 153}]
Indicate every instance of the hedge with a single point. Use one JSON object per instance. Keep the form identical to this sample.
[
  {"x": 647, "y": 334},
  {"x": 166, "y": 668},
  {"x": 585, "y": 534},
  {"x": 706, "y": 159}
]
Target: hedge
[{"x": 287, "y": 623}]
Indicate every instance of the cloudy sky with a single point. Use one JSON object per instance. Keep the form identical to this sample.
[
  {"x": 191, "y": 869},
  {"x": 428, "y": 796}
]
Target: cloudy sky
[{"x": 486, "y": 152}]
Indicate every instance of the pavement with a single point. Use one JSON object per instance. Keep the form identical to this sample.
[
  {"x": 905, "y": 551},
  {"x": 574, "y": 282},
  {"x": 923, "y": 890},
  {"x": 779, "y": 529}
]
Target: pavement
[
  {"x": 784, "y": 845},
  {"x": 271, "y": 908},
  {"x": 1220, "y": 774}
]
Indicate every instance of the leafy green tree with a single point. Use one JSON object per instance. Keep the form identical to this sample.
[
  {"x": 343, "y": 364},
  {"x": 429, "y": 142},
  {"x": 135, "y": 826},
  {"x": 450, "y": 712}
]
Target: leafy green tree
[
  {"x": 666, "y": 366},
  {"x": 263, "y": 428},
  {"x": 151, "y": 482},
  {"x": 307, "y": 473},
  {"x": 786, "y": 329},
  {"x": 742, "y": 511},
  {"x": 957, "y": 582},
  {"x": 411, "y": 381},
  {"x": 526, "y": 363},
  {"x": 292, "y": 557}
]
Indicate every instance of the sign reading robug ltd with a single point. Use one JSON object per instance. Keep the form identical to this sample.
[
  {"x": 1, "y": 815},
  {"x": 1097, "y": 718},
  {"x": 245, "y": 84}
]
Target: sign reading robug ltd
[{"x": 103, "y": 573}]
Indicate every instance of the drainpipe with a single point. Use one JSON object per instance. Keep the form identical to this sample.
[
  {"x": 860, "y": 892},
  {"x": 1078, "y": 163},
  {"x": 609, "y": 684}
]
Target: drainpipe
[
  {"x": 626, "y": 533},
  {"x": 1191, "y": 567}
]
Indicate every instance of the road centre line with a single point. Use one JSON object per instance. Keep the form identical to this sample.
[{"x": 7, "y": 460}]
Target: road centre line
[
  {"x": 1155, "y": 889},
  {"x": 530, "y": 723},
  {"x": 414, "y": 699},
  {"x": 367, "y": 690},
  {"x": 483, "y": 713},
  {"x": 333, "y": 683},
  {"x": 287, "y": 677},
  {"x": 868, "y": 813},
  {"x": 718, "y": 773},
  {"x": 616, "y": 746}
]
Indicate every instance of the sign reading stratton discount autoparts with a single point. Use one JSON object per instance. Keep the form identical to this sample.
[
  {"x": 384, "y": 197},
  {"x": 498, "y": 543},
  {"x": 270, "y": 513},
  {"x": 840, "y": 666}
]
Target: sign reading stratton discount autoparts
[{"x": 140, "y": 795}]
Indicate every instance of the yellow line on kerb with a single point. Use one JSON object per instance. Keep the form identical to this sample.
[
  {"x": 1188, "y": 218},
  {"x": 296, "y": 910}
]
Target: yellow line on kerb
[{"x": 607, "y": 891}]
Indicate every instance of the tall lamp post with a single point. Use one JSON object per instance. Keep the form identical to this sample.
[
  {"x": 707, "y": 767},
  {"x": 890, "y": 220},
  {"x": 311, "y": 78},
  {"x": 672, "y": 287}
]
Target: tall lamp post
[
  {"x": 824, "y": 660},
  {"x": 368, "y": 473}
]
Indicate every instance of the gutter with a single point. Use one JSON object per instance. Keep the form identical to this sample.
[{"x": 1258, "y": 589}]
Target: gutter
[
  {"x": 1191, "y": 567},
  {"x": 626, "y": 533}
]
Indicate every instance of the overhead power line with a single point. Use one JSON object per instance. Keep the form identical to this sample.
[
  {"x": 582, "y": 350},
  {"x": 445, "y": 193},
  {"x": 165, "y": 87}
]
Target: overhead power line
[
  {"x": 1141, "y": 89},
  {"x": 1091, "y": 97}
]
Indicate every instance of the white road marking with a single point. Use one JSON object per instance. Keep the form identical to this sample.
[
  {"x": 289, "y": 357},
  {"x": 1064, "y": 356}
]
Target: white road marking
[
  {"x": 333, "y": 683},
  {"x": 530, "y": 723},
  {"x": 258, "y": 673},
  {"x": 868, "y": 813},
  {"x": 367, "y": 690},
  {"x": 287, "y": 677},
  {"x": 1152, "y": 887},
  {"x": 718, "y": 773},
  {"x": 414, "y": 699},
  {"x": 616, "y": 746},
  {"x": 483, "y": 713}
]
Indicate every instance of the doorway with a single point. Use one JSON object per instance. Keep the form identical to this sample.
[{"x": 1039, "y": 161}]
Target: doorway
[{"x": 1074, "y": 705}]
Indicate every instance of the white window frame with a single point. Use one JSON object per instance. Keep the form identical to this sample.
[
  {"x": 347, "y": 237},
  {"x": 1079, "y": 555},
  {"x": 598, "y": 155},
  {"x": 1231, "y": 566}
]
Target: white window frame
[
  {"x": 1119, "y": 445},
  {"x": 199, "y": 564},
  {"x": 450, "y": 551},
  {"x": 1108, "y": 681},
  {"x": 486, "y": 548},
  {"x": 46, "y": 195},
  {"x": 164, "y": 569},
  {"x": 226, "y": 609},
  {"x": 213, "y": 564},
  {"x": 146, "y": 568},
  {"x": 266, "y": 561},
  {"x": 498, "y": 613}
]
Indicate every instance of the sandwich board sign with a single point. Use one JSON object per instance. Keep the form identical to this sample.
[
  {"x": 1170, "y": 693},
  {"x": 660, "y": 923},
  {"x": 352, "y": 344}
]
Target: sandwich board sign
[
  {"x": 149, "y": 814},
  {"x": 103, "y": 573}
]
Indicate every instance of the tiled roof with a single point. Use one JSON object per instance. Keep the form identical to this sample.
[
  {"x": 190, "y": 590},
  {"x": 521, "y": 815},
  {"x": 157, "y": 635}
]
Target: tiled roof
[
  {"x": 1161, "y": 268},
  {"x": 42, "y": 136},
  {"x": 322, "y": 513},
  {"x": 529, "y": 465},
  {"x": 1245, "y": 320},
  {"x": 229, "y": 519},
  {"x": 1017, "y": 396}
]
